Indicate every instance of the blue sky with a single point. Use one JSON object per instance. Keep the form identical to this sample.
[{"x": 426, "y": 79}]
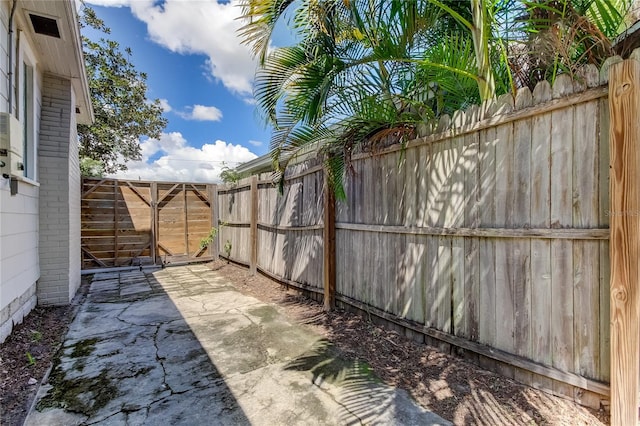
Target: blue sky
[{"x": 196, "y": 65}]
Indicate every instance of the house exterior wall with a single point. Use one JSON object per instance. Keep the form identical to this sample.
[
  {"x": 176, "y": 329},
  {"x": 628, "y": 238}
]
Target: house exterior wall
[
  {"x": 59, "y": 194},
  {"x": 19, "y": 222},
  {"x": 40, "y": 224},
  {"x": 19, "y": 264}
]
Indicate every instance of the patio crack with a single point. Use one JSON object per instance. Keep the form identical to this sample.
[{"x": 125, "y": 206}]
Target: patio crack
[
  {"x": 100, "y": 420},
  {"x": 330, "y": 395},
  {"x": 202, "y": 303},
  {"x": 160, "y": 360},
  {"x": 146, "y": 414},
  {"x": 255, "y": 382}
]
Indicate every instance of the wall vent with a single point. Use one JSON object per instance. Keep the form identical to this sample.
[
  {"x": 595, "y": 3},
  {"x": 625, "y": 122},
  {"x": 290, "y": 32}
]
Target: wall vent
[{"x": 45, "y": 26}]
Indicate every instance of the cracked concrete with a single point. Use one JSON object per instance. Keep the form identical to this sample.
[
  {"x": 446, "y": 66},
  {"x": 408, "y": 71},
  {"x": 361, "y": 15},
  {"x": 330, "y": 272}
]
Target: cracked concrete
[{"x": 182, "y": 346}]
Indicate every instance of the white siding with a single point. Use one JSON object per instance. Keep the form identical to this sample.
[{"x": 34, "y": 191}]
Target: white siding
[
  {"x": 19, "y": 267},
  {"x": 19, "y": 222}
]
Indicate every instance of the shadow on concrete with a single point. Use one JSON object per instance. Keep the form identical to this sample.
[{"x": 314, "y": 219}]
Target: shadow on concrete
[
  {"x": 363, "y": 398},
  {"x": 130, "y": 357}
]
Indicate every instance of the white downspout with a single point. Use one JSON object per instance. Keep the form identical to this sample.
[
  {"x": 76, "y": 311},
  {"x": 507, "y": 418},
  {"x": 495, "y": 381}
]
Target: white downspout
[{"x": 10, "y": 48}]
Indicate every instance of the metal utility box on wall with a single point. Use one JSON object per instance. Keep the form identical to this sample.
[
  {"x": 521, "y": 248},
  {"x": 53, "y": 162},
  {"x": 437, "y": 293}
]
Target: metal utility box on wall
[{"x": 11, "y": 145}]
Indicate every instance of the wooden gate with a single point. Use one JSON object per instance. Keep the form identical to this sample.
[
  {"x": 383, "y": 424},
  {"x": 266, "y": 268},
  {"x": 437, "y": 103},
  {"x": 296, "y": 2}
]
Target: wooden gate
[
  {"x": 131, "y": 223},
  {"x": 184, "y": 218}
]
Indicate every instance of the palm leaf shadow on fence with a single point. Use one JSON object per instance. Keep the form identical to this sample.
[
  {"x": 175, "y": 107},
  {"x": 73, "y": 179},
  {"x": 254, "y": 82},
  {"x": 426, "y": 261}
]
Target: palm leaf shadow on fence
[{"x": 489, "y": 232}]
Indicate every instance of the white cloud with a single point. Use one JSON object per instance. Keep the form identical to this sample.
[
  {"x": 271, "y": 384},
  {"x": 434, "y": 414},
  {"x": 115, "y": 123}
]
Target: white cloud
[
  {"x": 183, "y": 163},
  {"x": 110, "y": 3},
  {"x": 255, "y": 143},
  {"x": 164, "y": 104},
  {"x": 202, "y": 113},
  {"x": 200, "y": 27}
]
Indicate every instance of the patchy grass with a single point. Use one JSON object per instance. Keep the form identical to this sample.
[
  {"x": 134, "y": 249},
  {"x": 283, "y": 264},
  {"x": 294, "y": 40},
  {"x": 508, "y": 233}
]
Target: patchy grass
[
  {"x": 81, "y": 395},
  {"x": 84, "y": 348}
]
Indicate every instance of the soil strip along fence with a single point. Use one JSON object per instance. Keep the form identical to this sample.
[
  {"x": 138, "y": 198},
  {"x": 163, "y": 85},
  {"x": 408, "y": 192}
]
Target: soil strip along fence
[
  {"x": 131, "y": 223},
  {"x": 487, "y": 236}
]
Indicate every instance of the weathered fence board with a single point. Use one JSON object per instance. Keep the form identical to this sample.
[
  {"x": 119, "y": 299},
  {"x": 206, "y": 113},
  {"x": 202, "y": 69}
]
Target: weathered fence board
[{"x": 624, "y": 95}]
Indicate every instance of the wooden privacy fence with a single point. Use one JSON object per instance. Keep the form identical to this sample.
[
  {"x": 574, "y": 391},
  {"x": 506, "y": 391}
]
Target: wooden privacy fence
[
  {"x": 128, "y": 223},
  {"x": 285, "y": 236},
  {"x": 488, "y": 235}
]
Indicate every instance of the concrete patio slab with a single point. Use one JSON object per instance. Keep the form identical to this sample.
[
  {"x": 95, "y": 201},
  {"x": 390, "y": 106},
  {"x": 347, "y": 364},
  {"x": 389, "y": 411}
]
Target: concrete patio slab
[{"x": 182, "y": 346}]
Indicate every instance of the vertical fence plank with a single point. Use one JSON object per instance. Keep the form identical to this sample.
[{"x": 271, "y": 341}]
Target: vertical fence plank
[
  {"x": 604, "y": 213},
  {"x": 562, "y": 250},
  {"x": 185, "y": 212},
  {"x": 624, "y": 98},
  {"x": 412, "y": 308},
  {"x": 329, "y": 246},
  {"x": 431, "y": 293},
  {"x": 521, "y": 274},
  {"x": 444, "y": 289},
  {"x": 214, "y": 247},
  {"x": 504, "y": 193},
  {"x": 116, "y": 221},
  {"x": 541, "y": 249},
  {"x": 425, "y": 161},
  {"x": 253, "y": 233},
  {"x": 471, "y": 245},
  {"x": 154, "y": 222},
  {"x": 456, "y": 178},
  {"x": 586, "y": 254},
  {"x": 487, "y": 166}
]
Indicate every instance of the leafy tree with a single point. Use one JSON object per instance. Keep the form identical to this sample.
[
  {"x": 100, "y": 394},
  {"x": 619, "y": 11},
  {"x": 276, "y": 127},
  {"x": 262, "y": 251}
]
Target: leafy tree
[
  {"x": 122, "y": 110},
  {"x": 229, "y": 175}
]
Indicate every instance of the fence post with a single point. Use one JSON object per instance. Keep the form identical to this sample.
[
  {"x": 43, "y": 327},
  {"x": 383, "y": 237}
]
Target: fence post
[
  {"x": 329, "y": 246},
  {"x": 116, "y": 214},
  {"x": 214, "y": 247},
  {"x": 154, "y": 222},
  {"x": 253, "y": 235},
  {"x": 624, "y": 105}
]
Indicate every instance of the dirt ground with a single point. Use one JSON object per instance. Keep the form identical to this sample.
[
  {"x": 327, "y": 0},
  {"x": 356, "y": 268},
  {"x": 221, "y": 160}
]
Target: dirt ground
[
  {"x": 451, "y": 387},
  {"x": 25, "y": 357}
]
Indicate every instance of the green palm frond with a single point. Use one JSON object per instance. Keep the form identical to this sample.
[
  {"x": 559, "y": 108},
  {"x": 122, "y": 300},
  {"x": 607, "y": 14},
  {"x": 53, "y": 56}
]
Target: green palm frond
[
  {"x": 365, "y": 73},
  {"x": 262, "y": 17}
]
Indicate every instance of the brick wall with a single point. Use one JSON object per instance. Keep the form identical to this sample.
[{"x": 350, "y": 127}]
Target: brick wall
[
  {"x": 59, "y": 202},
  {"x": 75, "y": 184}
]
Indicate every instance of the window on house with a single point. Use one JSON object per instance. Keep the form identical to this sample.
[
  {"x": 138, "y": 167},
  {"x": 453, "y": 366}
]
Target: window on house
[{"x": 28, "y": 121}]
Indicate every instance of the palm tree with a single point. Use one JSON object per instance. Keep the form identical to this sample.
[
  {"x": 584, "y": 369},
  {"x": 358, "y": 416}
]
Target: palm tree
[
  {"x": 561, "y": 36},
  {"x": 355, "y": 75},
  {"x": 365, "y": 72}
]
